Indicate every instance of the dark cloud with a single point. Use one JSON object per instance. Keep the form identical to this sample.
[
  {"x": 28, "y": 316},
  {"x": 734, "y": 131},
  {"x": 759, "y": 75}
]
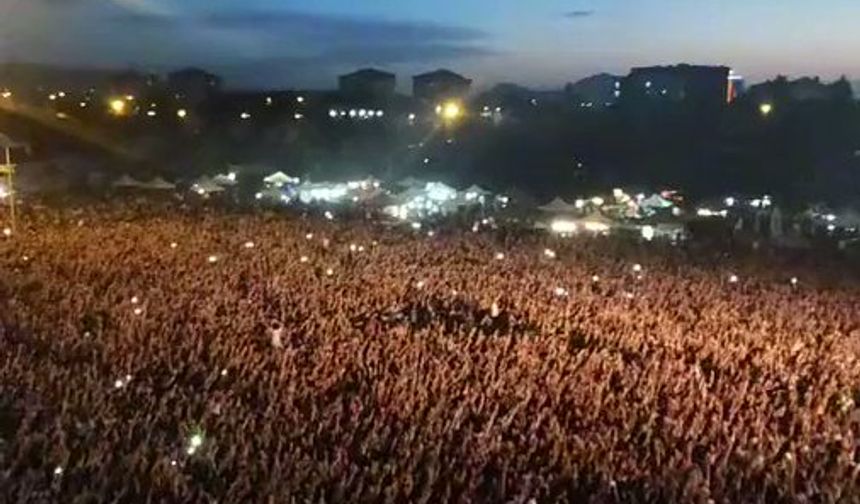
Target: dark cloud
[
  {"x": 577, "y": 14},
  {"x": 340, "y": 26}
]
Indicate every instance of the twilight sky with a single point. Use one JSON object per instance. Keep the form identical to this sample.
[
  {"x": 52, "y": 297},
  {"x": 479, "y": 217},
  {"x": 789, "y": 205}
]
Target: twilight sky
[{"x": 541, "y": 43}]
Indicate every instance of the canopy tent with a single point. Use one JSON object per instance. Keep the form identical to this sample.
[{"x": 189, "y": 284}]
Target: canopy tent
[
  {"x": 280, "y": 178},
  {"x": 126, "y": 182},
  {"x": 159, "y": 184},
  {"x": 558, "y": 206},
  {"x": 477, "y": 190},
  {"x": 225, "y": 179},
  {"x": 598, "y": 217},
  {"x": 205, "y": 185},
  {"x": 410, "y": 182},
  {"x": 655, "y": 201}
]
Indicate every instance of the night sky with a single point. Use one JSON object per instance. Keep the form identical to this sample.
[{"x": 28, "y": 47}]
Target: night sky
[{"x": 542, "y": 43}]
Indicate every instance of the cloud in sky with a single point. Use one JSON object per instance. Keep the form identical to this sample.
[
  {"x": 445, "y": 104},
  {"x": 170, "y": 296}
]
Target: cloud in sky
[
  {"x": 578, "y": 14},
  {"x": 159, "y": 35}
]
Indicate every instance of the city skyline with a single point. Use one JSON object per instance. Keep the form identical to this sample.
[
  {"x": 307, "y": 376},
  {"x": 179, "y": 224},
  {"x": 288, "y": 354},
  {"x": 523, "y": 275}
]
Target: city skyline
[{"x": 262, "y": 43}]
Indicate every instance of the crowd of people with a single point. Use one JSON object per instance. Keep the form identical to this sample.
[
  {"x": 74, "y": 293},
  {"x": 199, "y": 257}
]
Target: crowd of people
[{"x": 170, "y": 355}]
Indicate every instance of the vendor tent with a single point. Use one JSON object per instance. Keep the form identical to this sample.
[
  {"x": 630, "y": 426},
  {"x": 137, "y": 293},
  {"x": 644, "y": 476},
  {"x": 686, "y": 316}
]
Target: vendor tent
[
  {"x": 280, "y": 178},
  {"x": 558, "y": 206},
  {"x": 206, "y": 185},
  {"x": 127, "y": 182},
  {"x": 159, "y": 184}
]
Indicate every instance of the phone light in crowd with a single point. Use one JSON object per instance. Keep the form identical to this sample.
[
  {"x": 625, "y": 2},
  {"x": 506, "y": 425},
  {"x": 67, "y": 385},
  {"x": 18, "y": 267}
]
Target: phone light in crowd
[
  {"x": 213, "y": 259},
  {"x": 431, "y": 233},
  {"x": 733, "y": 279},
  {"x": 329, "y": 272},
  {"x": 329, "y": 215},
  {"x": 151, "y": 113},
  {"x": 52, "y": 97},
  {"x": 300, "y": 99},
  {"x": 6, "y": 94},
  {"x": 332, "y": 113},
  {"x": 298, "y": 117},
  {"x": 765, "y": 109},
  {"x": 58, "y": 470},
  {"x": 730, "y": 202},
  {"x": 138, "y": 311},
  {"x": 560, "y": 291},
  {"x": 173, "y": 245},
  {"x": 249, "y": 245},
  {"x": 637, "y": 268},
  {"x": 118, "y": 384},
  {"x": 420, "y": 284},
  {"x": 134, "y": 300},
  {"x": 224, "y": 372},
  {"x": 353, "y": 247},
  {"x": 269, "y": 101},
  {"x": 194, "y": 443},
  {"x": 500, "y": 256},
  {"x": 7, "y": 232},
  {"x": 549, "y": 253},
  {"x": 648, "y": 233},
  {"x": 244, "y": 116},
  {"x": 303, "y": 259},
  {"x": 415, "y": 225},
  {"x": 597, "y": 201},
  {"x": 595, "y": 278},
  {"x": 181, "y": 113},
  {"x": 309, "y": 236},
  {"x": 563, "y": 226},
  {"x": 794, "y": 281}
]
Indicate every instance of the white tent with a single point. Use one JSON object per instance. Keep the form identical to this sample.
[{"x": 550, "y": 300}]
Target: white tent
[
  {"x": 558, "y": 206},
  {"x": 205, "y": 185},
  {"x": 280, "y": 178},
  {"x": 126, "y": 182},
  {"x": 410, "y": 182},
  {"x": 225, "y": 179},
  {"x": 655, "y": 201},
  {"x": 160, "y": 184}
]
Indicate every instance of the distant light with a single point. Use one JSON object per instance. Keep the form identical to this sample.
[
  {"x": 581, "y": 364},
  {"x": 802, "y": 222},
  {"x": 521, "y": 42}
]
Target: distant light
[
  {"x": 268, "y": 100},
  {"x": 300, "y": 99},
  {"x": 181, "y": 113},
  {"x": 362, "y": 113},
  {"x": 332, "y": 113},
  {"x": 579, "y": 204},
  {"x": 62, "y": 115},
  {"x": 595, "y": 278},
  {"x": 83, "y": 104},
  {"x": 563, "y": 226},
  {"x": 427, "y": 160},
  {"x": 6, "y": 94},
  {"x": 730, "y": 202},
  {"x": 353, "y": 113},
  {"x": 61, "y": 94},
  {"x": 298, "y": 116},
  {"x": 648, "y": 233},
  {"x": 52, "y": 97},
  {"x": 637, "y": 268},
  {"x": 765, "y": 109},
  {"x": 596, "y": 227},
  {"x": 452, "y": 111},
  {"x": 412, "y": 117},
  {"x": 7, "y": 232},
  {"x": 117, "y": 106},
  {"x": 560, "y": 291},
  {"x": 249, "y": 245},
  {"x": 733, "y": 279},
  {"x": 500, "y": 256},
  {"x": 213, "y": 259},
  {"x": 58, "y": 471},
  {"x": 598, "y": 201},
  {"x": 831, "y": 227},
  {"x": 258, "y": 196},
  {"x": 830, "y": 218},
  {"x": 329, "y": 215},
  {"x": 129, "y": 97},
  {"x": 648, "y": 84},
  {"x": 416, "y": 225},
  {"x": 793, "y": 280},
  {"x": 151, "y": 113},
  {"x": 380, "y": 113},
  {"x": 244, "y": 115},
  {"x": 549, "y": 253},
  {"x": 617, "y": 84}
]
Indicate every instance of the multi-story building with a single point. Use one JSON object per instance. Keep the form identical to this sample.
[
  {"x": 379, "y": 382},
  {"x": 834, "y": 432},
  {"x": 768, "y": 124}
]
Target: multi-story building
[
  {"x": 368, "y": 83},
  {"x": 701, "y": 85},
  {"x": 441, "y": 85}
]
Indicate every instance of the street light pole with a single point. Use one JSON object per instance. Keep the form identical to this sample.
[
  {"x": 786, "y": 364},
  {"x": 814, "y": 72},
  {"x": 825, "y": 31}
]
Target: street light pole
[{"x": 8, "y": 169}]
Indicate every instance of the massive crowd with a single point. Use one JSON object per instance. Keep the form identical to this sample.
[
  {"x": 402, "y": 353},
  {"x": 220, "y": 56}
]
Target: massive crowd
[{"x": 169, "y": 355}]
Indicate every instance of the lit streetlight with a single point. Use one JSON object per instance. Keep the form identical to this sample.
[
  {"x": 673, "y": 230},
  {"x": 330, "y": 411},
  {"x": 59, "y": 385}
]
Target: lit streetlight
[
  {"x": 117, "y": 106},
  {"x": 765, "y": 109}
]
